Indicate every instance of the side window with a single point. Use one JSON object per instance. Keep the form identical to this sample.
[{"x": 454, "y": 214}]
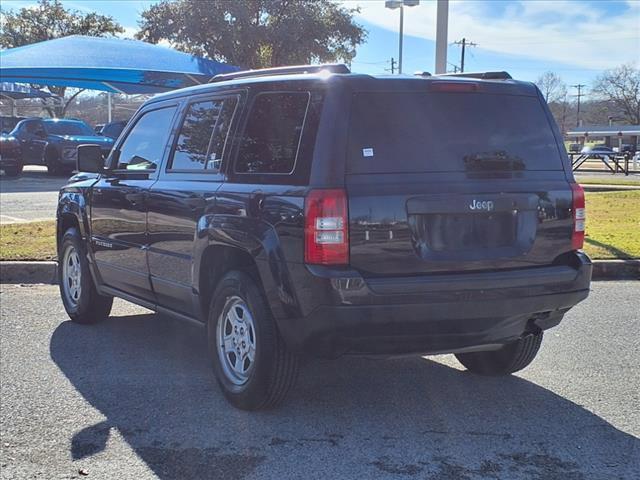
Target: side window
[
  {"x": 203, "y": 134},
  {"x": 145, "y": 142},
  {"x": 34, "y": 127},
  {"x": 271, "y": 137}
]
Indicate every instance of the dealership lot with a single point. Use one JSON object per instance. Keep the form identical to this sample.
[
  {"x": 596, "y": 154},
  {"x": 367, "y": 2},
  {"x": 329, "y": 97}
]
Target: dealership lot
[
  {"x": 134, "y": 398},
  {"x": 31, "y": 196}
]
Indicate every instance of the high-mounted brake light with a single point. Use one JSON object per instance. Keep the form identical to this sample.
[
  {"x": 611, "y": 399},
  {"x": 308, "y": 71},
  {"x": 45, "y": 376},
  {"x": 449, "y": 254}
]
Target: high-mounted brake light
[
  {"x": 326, "y": 227},
  {"x": 454, "y": 87},
  {"x": 579, "y": 216}
]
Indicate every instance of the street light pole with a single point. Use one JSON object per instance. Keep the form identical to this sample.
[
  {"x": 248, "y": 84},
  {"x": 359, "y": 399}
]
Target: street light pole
[
  {"x": 400, "y": 41},
  {"x": 442, "y": 23},
  {"x": 393, "y": 4}
]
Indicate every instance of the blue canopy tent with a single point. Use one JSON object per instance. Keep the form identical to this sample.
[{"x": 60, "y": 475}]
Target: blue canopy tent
[
  {"x": 15, "y": 91},
  {"x": 109, "y": 64}
]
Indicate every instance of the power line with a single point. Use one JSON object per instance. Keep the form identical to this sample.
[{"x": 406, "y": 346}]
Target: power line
[
  {"x": 371, "y": 63},
  {"x": 579, "y": 86},
  {"x": 464, "y": 44}
]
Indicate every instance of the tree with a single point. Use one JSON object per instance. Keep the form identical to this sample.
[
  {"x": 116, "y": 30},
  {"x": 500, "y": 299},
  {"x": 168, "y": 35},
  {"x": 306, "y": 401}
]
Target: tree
[
  {"x": 255, "y": 33},
  {"x": 621, "y": 87},
  {"x": 552, "y": 87},
  {"x": 47, "y": 20}
]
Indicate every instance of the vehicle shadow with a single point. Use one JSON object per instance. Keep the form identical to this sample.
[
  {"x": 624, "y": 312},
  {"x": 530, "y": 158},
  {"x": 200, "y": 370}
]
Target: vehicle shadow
[
  {"x": 402, "y": 417},
  {"x": 621, "y": 254}
]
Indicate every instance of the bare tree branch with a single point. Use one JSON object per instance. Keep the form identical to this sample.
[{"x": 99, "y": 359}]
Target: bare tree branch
[{"x": 621, "y": 87}]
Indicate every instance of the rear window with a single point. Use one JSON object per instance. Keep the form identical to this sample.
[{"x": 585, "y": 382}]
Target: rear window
[{"x": 443, "y": 132}]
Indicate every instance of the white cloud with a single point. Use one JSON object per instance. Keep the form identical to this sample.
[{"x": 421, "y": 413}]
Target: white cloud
[{"x": 569, "y": 32}]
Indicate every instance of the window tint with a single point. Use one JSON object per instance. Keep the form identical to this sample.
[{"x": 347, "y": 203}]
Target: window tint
[
  {"x": 68, "y": 127},
  {"x": 113, "y": 130},
  {"x": 444, "y": 132},
  {"x": 34, "y": 127},
  {"x": 204, "y": 130},
  {"x": 272, "y": 134},
  {"x": 145, "y": 143}
]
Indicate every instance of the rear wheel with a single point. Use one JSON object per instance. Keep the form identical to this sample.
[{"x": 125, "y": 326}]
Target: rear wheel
[
  {"x": 252, "y": 364},
  {"x": 508, "y": 359},
  {"x": 79, "y": 295}
]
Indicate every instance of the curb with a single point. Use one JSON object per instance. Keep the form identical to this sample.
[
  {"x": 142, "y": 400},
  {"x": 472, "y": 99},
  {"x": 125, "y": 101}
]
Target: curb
[
  {"x": 45, "y": 272},
  {"x": 616, "y": 269}
]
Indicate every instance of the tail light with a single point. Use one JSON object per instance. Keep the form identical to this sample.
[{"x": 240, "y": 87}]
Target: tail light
[
  {"x": 579, "y": 216},
  {"x": 326, "y": 228}
]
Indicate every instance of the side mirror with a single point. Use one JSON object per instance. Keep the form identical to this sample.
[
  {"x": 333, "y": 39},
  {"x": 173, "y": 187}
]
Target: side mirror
[{"x": 90, "y": 159}]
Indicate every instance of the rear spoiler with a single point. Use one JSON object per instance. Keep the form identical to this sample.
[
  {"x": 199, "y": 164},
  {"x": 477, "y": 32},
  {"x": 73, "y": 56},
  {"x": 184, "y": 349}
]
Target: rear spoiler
[{"x": 479, "y": 75}]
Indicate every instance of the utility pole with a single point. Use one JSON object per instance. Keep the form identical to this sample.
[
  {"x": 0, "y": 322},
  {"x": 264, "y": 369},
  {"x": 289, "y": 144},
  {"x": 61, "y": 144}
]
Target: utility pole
[
  {"x": 464, "y": 43},
  {"x": 393, "y": 65},
  {"x": 579, "y": 86}
]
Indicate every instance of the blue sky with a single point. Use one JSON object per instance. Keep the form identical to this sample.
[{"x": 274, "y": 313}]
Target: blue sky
[{"x": 575, "y": 38}]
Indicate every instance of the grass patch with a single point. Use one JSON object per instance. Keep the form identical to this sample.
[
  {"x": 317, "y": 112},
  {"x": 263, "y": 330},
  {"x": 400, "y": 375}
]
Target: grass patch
[
  {"x": 28, "y": 241},
  {"x": 613, "y": 224},
  {"x": 613, "y": 230},
  {"x": 633, "y": 180}
]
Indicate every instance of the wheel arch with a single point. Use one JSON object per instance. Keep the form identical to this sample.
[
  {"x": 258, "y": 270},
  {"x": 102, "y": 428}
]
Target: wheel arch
[
  {"x": 225, "y": 243},
  {"x": 214, "y": 262},
  {"x": 72, "y": 213}
]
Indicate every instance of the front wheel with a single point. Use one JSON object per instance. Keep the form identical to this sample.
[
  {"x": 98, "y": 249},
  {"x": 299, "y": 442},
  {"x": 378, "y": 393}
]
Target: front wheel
[
  {"x": 81, "y": 300},
  {"x": 13, "y": 170},
  {"x": 510, "y": 358},
  {"x": 251, "y": 362}
]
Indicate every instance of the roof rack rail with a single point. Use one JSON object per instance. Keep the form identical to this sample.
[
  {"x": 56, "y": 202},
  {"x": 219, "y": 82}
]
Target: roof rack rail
[
  {"x": 480, "y": 75},
  {"x": 263, "y": 72}
]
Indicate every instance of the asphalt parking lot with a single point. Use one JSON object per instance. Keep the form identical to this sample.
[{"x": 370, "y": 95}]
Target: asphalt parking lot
[
  {"x": 31, "y": 196},
  {"x": 134, "y": 398}
]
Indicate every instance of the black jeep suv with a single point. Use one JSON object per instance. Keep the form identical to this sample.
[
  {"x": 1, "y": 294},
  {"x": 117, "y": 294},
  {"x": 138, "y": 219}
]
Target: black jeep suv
[{"x": 313, "y": 211}]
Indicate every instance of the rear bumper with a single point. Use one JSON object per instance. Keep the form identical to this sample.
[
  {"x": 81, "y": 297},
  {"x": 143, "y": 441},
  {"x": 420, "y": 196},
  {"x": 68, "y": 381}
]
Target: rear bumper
[{"x": 438, "y": 313}]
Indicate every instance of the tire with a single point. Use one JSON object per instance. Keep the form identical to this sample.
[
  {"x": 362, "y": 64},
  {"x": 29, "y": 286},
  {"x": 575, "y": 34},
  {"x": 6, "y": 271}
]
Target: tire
[
  {"x": 13, "y": 170},
  {"x": 238, "y": 304},
  {"x": 511, "y": 358},
  {"x": 54, "y": 167},
  {"x": 79, "y": 295}
]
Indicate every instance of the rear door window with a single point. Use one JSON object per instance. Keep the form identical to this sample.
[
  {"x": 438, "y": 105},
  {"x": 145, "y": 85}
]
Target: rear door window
[
  {"x": 271, "y": 138},
  {"x": 440, "y": 132}
]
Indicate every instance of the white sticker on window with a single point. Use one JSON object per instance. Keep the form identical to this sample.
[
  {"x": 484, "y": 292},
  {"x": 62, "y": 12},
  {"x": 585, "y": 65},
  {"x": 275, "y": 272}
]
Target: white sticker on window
[{"x": 367, "y": 152}]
